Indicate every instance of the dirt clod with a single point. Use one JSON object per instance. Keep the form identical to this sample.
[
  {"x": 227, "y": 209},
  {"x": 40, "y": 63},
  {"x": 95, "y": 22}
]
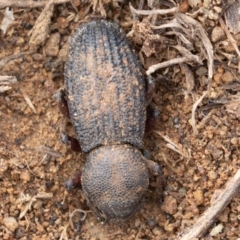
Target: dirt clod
[
  {"x": 169, "y": 205},
  {"x": 10, "y": 223},
  {"x": 25, "y": 176},
  {"x": 198, "y": 196},
  {"x": 217, "y": 34},
  {"x": 227, "y": 77},
  {"x": 52, "y": 45}
]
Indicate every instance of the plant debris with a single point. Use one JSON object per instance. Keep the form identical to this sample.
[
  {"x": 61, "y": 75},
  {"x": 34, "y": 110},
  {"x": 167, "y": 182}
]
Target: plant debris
[{"x": 7, "y": 20}]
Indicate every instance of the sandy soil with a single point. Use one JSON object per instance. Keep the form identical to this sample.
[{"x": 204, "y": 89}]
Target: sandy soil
[{"x": 34, "y": 164}]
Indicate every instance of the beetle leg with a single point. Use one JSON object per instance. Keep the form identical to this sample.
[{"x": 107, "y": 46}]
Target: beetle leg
[
  {"x": 72, "y": 142},
  {"x": 150, "y": 87},
  {"x": 154, "y": 169},
  {"x": 74, "y": 182},
  {"x": 60, "y": 97},
  {"x": 152, "y": 116}
]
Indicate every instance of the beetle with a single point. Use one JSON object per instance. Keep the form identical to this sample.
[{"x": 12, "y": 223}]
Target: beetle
[{"x": 106, "y": 95}]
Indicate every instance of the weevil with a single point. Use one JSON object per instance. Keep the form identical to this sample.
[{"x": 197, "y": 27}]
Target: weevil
[{"x": 107, "y": 95}]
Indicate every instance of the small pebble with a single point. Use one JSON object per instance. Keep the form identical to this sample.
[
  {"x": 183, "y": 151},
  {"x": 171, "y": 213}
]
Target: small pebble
[
  {"x": 227, "y": 77},
  {"x": 137, "y": 223},
  {"x": 234, "y": 141},
  {"x": 151, "y": 222},
  {"x": 182, "y": 191},
  {"x": 20, "y": 41},
  {"x": 201, "y": 71},
  {"x": 217, "y": 77},
  {"x": 169, "y": 205},
  {"x": 157, "y": 231},
  {"x": 198, "y": 195},
  {"x": 217, "y": 34},
  {"x": 212, "y": 175},
  {"x": 62, "y": 22},
  {"x": 52, "y": 45},
  {"x": 213, "y": 15},
  {"x": 25, "y": 176}
]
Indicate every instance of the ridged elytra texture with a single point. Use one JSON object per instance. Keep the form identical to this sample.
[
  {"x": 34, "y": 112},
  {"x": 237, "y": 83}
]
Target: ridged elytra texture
[
  {"x": 105, "y": 87},
  {"x": 107, "y": 104}
]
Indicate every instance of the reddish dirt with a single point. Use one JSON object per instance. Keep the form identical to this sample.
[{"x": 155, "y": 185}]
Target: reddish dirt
[{"x": 34, "y": 164}]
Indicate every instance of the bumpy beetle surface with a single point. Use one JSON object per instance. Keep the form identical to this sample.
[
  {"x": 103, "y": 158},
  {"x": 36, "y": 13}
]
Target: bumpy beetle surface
[{"x": 106, "y": 97}]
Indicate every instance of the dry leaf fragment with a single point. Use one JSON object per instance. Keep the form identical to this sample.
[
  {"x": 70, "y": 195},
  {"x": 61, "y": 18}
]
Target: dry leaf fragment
[
  {"x": 189, "y": 77},
  {"x": 199, "y": 33},
  {"x": 143, "y": 34},
  {"x": 152, "y": 44},
  {"x": 28, "y": 101},
  {"x": 41, "y": 28},
  {"x": 26, "y": 198},
  {"x": 7, "y": 20}
]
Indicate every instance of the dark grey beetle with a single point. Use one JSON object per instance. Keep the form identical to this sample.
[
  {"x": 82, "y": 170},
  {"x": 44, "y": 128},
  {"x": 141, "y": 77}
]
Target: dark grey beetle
[{"x": 106, "y": 95}]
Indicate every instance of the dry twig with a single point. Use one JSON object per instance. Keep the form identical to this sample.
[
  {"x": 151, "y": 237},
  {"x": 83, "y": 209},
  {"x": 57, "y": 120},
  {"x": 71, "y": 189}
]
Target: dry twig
[
  {"x": 174, "y": 146},
  {"x": 193, "y": 119},
  {"x": 167, "y": 162},
  {"x": 229, "y": 36},
  {"x": 64, "y": 235},
  {"x": 174, "y": 24},
  {"x": 41, "y": 28},
  {"x": 154, "y": 11},
  {"x": 26, "y": 198},
  {"x": 28, "y": 101},
  {"x": 6, "y": 80},
  {"x": 50, "y": 151},
  {"x": 7, "y": 59},
  {"x": 27, "y": 4},
  {"x": 219, "y": 204},
  {"x": 168, "y": 63},
  {"x": 199, "y": 33}
]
